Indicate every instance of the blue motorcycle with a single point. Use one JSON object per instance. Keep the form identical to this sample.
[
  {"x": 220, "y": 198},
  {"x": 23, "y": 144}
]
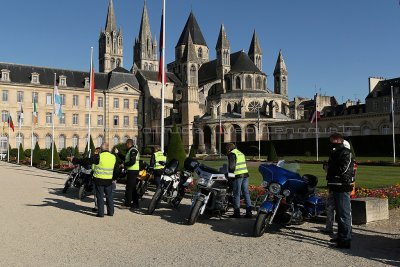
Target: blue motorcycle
[{"x": 289, "y": 198}]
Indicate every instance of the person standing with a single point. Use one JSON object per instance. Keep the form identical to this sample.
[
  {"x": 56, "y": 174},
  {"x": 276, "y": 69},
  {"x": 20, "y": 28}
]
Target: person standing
[
  {"x": 158, "y": 169},
  {"x": 340, "y": 179},
  {"x": 104, "y": 168},
  {"x": 237, "y": 166},
  {"x": 131, "y": 165}
]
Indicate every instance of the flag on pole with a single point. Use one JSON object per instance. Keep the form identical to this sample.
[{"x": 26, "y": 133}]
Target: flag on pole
[
  {"x": 10, "y": 122},
  {"x": 57, "y": 101},
  {"x": 315, "y": 116},
  {"x": 162, "y": 45},
  {"x": 91, "y": 84},
  {"x": 391, "y": 105},
  {"x": 34, "y": 112},
  {"x": 20, "y": 116}
]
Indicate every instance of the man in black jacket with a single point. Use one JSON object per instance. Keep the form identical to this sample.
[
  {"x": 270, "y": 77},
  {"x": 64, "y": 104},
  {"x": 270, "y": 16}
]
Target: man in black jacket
[
  {"x": 131, "y": 164},
  {"x": 340, "y": 179}
]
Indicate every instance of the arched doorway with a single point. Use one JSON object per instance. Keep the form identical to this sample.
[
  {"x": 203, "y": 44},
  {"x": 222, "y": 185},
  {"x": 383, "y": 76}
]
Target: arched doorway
[
  {"x": 219, "y": 135},
  {"x": 236, "y": 133},
  {"x": 207, "y": 137},
  {"x": 251, "y": 132}
]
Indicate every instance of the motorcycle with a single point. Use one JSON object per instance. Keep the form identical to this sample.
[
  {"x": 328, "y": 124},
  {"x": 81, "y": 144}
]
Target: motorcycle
[
  {"x": 172, "y": 186},
  {"x": 81, "y": 178},
  {"x": 213, "y": 191},
  {"x": 289, "y": 198},
  {"x": 143, "y": 178}
]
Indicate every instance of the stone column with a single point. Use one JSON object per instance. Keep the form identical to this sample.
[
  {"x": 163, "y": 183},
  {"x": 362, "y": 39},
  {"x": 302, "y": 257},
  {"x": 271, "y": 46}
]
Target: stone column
[
  {"x": 227, "y": 135},
  {"x": 202, "y": 147},
  {"x": 243, "y": 132},
  {"x": 213, "y": 150}
]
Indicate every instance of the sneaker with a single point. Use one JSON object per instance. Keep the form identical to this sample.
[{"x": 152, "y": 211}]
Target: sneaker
[
  {"x": 235, "y": 215},
  {"x": 100, "y": 216},
  {"x": 326, "y": 231},
  {"x": 94, "y": 209},
  {"x": 334, "y": 240}
]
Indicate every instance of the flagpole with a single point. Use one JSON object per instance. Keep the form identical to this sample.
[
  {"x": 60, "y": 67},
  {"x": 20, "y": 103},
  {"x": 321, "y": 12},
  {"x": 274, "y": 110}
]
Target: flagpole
[
  {"x": 394, "y": 139},
  {"x": 52, "y": 120},
  {"x": 316, "y": 123},
  {"x": 163, "y": 79},
  {"x": 220, "y": 131},
  {"x": 8, "y": 139},
  {"x": 33, "y": 123},
  {"x": 258, "y": 133},
  {"x": 90, "y": 98},
  {"x": 19, "y": 134}
]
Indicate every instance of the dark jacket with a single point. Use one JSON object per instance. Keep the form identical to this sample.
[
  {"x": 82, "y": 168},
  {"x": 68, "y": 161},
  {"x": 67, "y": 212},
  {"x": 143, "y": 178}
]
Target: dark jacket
[
  {"x": 340, "y": 169},
  {"x": 132, "y": 157},
  {"x": 232, "y": 166},
  {"x": 95, "y": 159}
]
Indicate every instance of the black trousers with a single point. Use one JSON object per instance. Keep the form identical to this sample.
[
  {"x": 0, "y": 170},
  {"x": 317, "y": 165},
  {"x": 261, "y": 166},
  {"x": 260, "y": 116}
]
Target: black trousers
[
  {"x": 131, "y": 197},
  {"x": 157, "y": 176},
  {"x": 106, "y": 190}
]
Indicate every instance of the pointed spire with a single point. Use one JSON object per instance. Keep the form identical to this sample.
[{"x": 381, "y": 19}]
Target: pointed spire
[
  {"x": 193, "y": 28},
  {"x": 144, "y": 31},
  {"x": 280, "y": 67},
  {"x": 111, "y": 24},
  {"x": 189, "y": 54},
  {"x": 155, "y": 40},
  {"x": 255, "y": 47},
  {"x": 223, "y": 41}
]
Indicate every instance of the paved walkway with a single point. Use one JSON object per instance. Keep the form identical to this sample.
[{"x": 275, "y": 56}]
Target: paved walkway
[{"x": 40, "y": 226}]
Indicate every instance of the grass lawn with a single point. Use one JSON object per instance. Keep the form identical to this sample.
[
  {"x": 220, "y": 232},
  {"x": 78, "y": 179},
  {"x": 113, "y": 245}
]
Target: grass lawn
[
  {"x": 325, "y": 158},
  {"x": 367, "y": 176}
]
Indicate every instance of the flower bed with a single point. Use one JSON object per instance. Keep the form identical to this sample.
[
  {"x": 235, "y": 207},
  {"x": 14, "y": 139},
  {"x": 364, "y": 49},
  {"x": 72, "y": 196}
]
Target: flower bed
[{"x": 391, "y": 193}]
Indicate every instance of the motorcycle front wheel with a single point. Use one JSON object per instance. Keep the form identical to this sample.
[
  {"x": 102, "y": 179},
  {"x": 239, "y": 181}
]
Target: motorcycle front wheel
[
  {"x": 155, "y": 200},
  {"x": 261, "y": 224},
  {"x": 194, "y": 212},
  {"x": 67, "y": 185},
  {"x": 82, "y": 192}
]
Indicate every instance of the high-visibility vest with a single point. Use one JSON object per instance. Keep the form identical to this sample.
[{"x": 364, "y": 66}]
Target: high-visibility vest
[
  {"x": 134, "y": 167},
  {"x": 159, "y": 156},
  {"x": 105, "y": 168},
  {"x": 241, "y": 166}
]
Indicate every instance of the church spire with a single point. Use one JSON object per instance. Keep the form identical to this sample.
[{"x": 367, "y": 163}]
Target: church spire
[
  {"x": 111, "y": 24},
  {"x": 280, "y": 76},
  {"x": 280, "y": 67},
  {"x": 144, "y": 31},
  {"x": 223, "y": 42},
  {"x": 255, "y": 52}
]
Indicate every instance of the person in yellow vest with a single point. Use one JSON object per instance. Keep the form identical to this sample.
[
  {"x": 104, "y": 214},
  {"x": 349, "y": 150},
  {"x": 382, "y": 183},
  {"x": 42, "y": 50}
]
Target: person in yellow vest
[
  {"x": 237, "y": 166},
  {"x": 158, "y": 169},
  {"x": 104, "y": 169},
  {"x": 131, "y": 164}
]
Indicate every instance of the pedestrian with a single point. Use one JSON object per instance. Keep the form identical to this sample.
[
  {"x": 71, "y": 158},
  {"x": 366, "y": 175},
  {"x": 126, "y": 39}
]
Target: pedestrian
[
  {"x": 237, "y": 166},
  {"x": 104, "y": 169},
  {"x": 340, "y": 179},
  {"x": 131, "y": 164},
  {"x": 158, "y": 169},
  {"x": 97, "y": 151},
  {"x": 330, "y": 204}
]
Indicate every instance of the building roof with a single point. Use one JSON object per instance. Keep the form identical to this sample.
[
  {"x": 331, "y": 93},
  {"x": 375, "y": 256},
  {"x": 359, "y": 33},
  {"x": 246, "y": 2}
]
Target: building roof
[
  {"x": 103, "y": 81},
  {"x": 193, "y": 27},
  {"x": 241, "y": 62},
  {"x": 383, "y": 88},
  {"x": 255, "y": 47},
  {"x": 208, "y": 72},
  {"x": 151, "y": 75}
]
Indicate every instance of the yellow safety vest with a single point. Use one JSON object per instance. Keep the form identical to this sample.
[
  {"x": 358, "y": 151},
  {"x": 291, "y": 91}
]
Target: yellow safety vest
[
  {"x": 105, "y": 168},
  {"x": 134, "y": 167},
  {"x": 159, "y": 156},
  {"x": 241, "y": 166}
]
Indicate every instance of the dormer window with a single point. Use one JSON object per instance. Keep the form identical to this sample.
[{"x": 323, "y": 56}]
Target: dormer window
[
  {"x": 87, "y": 82},
  {"x": 5, "y": 75},
  {"x": 35, "y": 78},
  {"x": 63, "y": 80}
]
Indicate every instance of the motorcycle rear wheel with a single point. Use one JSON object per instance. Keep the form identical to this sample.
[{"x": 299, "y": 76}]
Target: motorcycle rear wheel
[
  {"x": 194, "y": 212},
  {"x": 155, "y": 200},
  {"x": 261, "y": 224},
  {"x": 82, "y": 192}
]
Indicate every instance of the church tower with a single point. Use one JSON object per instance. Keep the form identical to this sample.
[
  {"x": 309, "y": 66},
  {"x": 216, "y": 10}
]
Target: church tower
[
  {"x": 280, "y": 76},
  {"x": 145, "y": 48},
  {"x": 255, "y": 52},
  {"x": 110, "y": 43},
  {"x": 223, "y": 56}
]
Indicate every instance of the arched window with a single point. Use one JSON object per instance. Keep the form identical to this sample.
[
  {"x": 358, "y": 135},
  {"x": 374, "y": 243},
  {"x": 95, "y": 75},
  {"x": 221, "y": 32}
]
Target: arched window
[
  {"x": 248, "y": 82},
  {"x": 61, "y": 141},
  {"x": 258, "y": 83},
  {"x": 265, "y": 84},
  {"x": 365, "y": 130},
  {"x": 99, "y": 140},
  {"x": 150, "y": 66},
  {"x": 385, "y": 129},
  {"x": 118, "y": 62},
  {"x": 35, "y": 139},
  {"x": 200, "y": 52},
  {"x": 227, "y": 84},
  {"x": 193, "y": 75},
  {"x": 116, "y": 140},
  {"x": 125, "y": 138},
  {"x": 229, "y": 108},
  {"x": 145, "y": 66},
  {"x": 238, "y": 83},
  {"x": 113, "y": 63},
  {"x": 47, "y": 141},
  {"x": 75, "y": 141}
]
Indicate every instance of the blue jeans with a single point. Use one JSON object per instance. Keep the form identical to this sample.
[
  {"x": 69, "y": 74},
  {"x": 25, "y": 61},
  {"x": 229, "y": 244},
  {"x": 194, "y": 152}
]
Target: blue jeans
[
  {"x": 102, "y": 190},
  {"x": 241, "y": 185},
  {"x": 343, "y": 215}
]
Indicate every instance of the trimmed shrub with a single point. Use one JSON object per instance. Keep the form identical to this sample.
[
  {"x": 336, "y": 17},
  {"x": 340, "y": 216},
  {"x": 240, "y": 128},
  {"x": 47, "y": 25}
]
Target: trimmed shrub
[
  {"x": 36, "y": 155},
  {"x": 147, "y": 151},
  {"x": 13, "y": 152},
  {"x": 56, "y": 157},
  {"x": 43, "y": 154},
  {"x": 92, "y": 148},
  {"x": 193, "y": 151},
  {"x": 27, "y": 152},
  {"x": 271, "y": 153},
  {"x": 21, "y": 153},
  {"x": 176, "y": 149},
  {"x": 76, "y": 153}
]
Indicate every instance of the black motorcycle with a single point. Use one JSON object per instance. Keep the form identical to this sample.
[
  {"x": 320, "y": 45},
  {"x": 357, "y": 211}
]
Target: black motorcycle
[
  {"x": 214, "y": 192},
  {"x": 81, "y": 178}
]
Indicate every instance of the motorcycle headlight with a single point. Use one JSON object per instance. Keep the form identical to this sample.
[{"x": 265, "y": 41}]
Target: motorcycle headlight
[
  {"x": 275, "y": 188},
  {"x": 286, "y": 192},
  {"x": 202, "y": 181},
  {"x": 265, "y": 184}
]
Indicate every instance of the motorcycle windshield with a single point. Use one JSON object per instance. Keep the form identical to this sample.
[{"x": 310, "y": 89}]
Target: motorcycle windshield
[{"x": 272, "y": 173}]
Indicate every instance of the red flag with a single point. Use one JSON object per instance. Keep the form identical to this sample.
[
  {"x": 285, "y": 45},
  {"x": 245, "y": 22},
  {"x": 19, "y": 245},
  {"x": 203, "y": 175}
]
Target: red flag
[
  {"x": 316, "y": 116},
  {"x": 162, "y": 45},
  {"x": 10, "y": 122},
  {"x": 91, "y": 85}
]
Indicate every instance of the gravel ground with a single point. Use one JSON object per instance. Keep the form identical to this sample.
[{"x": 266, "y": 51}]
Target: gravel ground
[{"x": 40, "y": 226}]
